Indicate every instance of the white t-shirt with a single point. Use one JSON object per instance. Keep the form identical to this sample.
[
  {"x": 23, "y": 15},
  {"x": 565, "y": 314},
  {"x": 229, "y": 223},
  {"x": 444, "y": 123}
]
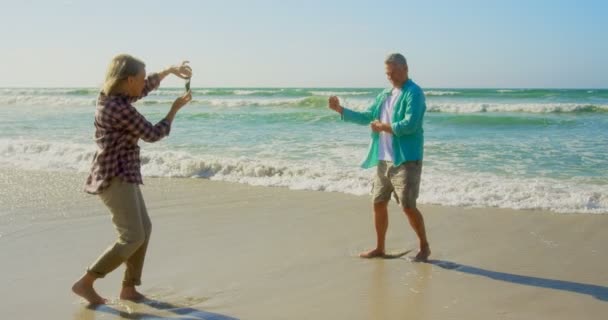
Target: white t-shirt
[{"x": 385, "y": 149}]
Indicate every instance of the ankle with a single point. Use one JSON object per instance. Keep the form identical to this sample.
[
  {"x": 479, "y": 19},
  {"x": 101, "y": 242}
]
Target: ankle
[{"x": 87, "y": 279}]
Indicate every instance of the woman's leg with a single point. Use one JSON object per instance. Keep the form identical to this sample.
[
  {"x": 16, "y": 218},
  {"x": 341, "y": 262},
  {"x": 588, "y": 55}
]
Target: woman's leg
[
  {"x": 123, "y": 201},
  {"x": 135, "y": 263}
]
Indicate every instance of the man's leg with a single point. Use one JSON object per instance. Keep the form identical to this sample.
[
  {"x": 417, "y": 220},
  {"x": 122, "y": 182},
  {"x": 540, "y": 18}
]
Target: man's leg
[
  {"x": 407, "y": 187},
  {"x": 381, "y": 224},
  {"x": 381, "y": 195},
  {"x": 417, "y": 222}
]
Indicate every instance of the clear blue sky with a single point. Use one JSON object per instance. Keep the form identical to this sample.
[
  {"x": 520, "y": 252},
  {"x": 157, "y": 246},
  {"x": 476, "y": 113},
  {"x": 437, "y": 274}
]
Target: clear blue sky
[{"x": 323, "y": 43}]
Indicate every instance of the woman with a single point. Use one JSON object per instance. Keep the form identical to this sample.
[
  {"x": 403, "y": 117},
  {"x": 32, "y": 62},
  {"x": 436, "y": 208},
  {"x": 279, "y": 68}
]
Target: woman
[{"x": 115, "y": 174}]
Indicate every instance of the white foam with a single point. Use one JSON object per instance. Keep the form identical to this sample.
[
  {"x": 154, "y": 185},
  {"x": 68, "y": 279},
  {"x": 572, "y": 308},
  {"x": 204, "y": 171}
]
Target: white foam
[
  {"x": 249, "y": 102},
  {"x": 41, "y": 155},
  {"x": 440, "y": 93},
  {"x": 250, "y": 92},
  {"x": 439, "y": 185},
  {"x": 47, "y": 91},
  {"x": 459, "y": 107},
  {"x": 340, "y": 93},
  {"x": 486, "y": 190},
  {"x": 476, "y": 107},
  {"x": 47, "y": 100}
]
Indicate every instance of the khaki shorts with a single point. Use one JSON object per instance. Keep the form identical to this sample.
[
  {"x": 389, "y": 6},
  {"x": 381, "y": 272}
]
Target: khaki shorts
[{"x": 403, "y": 181}]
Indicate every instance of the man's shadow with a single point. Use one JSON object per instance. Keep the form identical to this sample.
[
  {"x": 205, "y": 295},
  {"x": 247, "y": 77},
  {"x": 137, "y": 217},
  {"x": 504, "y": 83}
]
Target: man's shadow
[
  {"x": 599, "y": 292},
  {"x": 182, "y": 313}
]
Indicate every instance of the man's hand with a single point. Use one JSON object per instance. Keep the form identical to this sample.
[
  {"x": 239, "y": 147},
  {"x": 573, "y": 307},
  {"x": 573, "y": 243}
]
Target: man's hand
[
  {"x": 378, "y": 126},
  {"x": 334, "y": 104}
]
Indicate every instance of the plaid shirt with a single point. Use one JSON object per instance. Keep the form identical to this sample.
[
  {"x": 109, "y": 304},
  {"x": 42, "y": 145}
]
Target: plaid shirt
[{"x": 118, "y": 128}]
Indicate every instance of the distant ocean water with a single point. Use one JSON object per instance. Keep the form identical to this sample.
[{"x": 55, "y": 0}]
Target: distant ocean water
[{"x": 510, "y": 148}]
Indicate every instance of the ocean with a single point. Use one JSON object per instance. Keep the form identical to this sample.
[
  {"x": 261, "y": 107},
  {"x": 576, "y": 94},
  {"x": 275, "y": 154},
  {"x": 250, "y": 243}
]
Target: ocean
[{"x": 509, "y": 148}]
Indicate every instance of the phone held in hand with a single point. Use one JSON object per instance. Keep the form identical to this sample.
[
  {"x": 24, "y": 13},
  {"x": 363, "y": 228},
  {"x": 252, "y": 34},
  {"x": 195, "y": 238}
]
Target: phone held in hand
[{"x": 188, "y": 84}]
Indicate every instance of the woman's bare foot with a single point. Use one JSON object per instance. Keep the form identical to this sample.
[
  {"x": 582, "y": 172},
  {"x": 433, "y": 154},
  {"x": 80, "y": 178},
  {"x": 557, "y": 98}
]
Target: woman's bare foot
[
  {"x": 375, "y": 253},
  {"x": 84, "y": 288},
  {"x": 130, "y": 293}
]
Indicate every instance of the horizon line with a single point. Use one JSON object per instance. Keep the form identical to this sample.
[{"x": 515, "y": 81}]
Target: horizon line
[{"x": 321, "y": 87}]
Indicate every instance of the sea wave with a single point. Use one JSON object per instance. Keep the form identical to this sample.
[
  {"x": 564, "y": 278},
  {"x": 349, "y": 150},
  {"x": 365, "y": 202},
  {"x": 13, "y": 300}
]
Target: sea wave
[
  {"x": 459, "y": 107},
  {"x": 443, "y": 186},
  {"x": 46, "y": 100},
  {"x": 319, "y": 102},
  {"x": 440, "y": 93}
]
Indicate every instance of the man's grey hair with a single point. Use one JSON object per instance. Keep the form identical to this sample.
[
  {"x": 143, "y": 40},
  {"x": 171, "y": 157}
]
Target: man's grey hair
[{"x": 396, "y": 58}]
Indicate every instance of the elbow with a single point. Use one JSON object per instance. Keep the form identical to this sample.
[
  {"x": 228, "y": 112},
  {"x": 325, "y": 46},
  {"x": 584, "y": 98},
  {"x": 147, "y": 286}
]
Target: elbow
[
  {"x": 157, "y": 136},
  {"x": 158, "y": 133},
  {"x": 397, "y": 130},
  {"x": 150, "y": 139}
]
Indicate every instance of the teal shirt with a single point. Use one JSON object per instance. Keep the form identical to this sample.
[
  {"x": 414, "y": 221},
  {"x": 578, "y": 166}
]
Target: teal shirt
[{"x": 408, "y": 135}]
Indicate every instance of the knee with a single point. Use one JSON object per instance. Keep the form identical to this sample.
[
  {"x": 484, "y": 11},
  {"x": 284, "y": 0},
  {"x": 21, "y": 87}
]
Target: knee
[
  {"x": 148, "y": 230},
  {"x": 410, "y": 211},
  {"x": 380, "y": 205},
  {"x": 133, "y": 239}
]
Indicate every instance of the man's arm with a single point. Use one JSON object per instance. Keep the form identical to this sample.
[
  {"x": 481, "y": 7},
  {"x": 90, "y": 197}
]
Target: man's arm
[
  {"x": 359, "y": 117},
  {"x": 412, "y": 119}
]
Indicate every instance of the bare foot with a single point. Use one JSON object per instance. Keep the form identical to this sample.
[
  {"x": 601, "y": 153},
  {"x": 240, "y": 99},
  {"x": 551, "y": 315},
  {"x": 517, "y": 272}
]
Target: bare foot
[
  {"x": 423, "y": 254},
  {"x": 85, "y": 290},
  {"x": 375, "y": 253},
  {"x": 130, "y": 293}
]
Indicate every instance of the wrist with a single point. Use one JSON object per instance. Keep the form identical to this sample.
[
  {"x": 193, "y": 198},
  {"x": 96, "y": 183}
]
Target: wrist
[{"x": 167, "y": 71}]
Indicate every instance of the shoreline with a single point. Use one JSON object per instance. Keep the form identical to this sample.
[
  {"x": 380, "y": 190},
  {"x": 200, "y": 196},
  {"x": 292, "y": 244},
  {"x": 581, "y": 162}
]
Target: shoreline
[{"x": 237, "y": 251}]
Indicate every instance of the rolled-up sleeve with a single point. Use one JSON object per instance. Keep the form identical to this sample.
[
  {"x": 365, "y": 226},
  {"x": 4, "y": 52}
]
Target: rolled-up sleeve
[
  {"x": 152, "y": 83},
  {"x": 129, "y": 119},
  {"x": 357, "y": 117}
]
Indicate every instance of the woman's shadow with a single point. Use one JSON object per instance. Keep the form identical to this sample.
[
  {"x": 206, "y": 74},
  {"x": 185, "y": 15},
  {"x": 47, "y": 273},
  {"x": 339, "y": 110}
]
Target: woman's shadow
[
  {"x": 182, "y": 313},
  {"x": 599, "y": 292}
]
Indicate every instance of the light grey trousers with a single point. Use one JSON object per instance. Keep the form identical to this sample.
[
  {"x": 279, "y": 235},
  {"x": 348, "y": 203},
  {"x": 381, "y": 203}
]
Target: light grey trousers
[{"x": 133, "y": 226}]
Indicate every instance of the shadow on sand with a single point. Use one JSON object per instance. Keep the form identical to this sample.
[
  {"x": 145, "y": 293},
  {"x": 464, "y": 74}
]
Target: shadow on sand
[
  {"x": 598, "y": 292},
  {"x": 181, "y": 313}
]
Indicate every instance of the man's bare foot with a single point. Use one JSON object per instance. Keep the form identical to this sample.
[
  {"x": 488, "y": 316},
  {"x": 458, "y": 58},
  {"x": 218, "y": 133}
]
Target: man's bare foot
[
  {"x": 423, "y": 254},
  {"x": 130, "y": 293},
  {"x": 375, "y": 253},
  {"x": 85, "y": 289}
]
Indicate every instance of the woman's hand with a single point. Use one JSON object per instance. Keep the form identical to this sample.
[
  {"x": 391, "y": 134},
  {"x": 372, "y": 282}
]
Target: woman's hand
[
  {"x": 183, "y": 70},
  {"x": 182, "y": 101},
  {"x": 178, "y": 104}
]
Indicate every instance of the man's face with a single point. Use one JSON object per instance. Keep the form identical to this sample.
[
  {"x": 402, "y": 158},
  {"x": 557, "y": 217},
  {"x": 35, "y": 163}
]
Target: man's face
[{"x": 396, "y": 73}]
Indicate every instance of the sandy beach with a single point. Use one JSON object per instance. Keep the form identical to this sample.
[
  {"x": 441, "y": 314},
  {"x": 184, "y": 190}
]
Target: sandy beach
[{"x": 224, "y": 251}]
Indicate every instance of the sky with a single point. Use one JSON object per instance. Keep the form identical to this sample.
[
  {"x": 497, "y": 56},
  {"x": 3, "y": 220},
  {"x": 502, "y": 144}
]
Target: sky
[{"x": 286, "y": 43}]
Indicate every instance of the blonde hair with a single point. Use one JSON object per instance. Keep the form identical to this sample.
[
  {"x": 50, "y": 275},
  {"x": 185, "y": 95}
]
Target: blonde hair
[{"x": 121, "y": 67}]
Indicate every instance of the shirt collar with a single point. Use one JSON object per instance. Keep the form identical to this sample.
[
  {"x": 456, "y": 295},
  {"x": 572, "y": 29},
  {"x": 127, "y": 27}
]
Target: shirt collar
[{"x": 388, "y": 91}]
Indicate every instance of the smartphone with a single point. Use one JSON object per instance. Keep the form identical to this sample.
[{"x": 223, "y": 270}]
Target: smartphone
[{"x": 188, "y": 84}]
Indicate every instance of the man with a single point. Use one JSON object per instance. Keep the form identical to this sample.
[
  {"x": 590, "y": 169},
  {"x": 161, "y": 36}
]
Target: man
[{"x": 395, "y": 119}]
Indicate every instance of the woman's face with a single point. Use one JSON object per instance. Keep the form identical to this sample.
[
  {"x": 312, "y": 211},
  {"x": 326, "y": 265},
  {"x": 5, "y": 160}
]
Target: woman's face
[{"x": 136, "y": 83}]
